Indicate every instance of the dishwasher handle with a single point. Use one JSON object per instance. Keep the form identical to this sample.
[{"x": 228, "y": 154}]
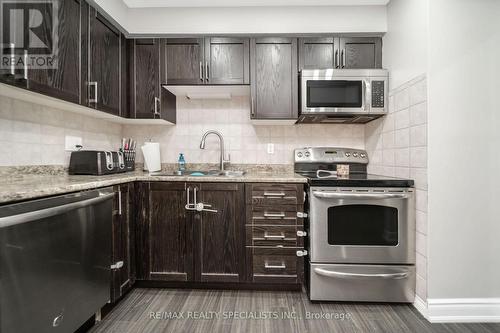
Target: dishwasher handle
[{"x": 51, "y": 211}]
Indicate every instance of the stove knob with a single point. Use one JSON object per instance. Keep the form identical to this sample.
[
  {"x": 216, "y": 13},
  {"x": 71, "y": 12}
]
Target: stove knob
[
  {"x": 307, "y": 154},
  {"x": 299, "y": 155},
  {"x": 355, "y": 155},
  {"x": 362, "y": 155},
  {"x": 347, "y": 154}
]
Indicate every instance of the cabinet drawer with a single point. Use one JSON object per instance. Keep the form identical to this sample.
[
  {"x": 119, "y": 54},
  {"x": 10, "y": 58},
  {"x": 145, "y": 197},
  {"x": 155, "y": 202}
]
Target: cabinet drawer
[
  {"x": 274, "y": 194},
  {"x": 272, "y": 235},
  {"x": 275, "y": 265},
  {"x": 278, "y": 215}
]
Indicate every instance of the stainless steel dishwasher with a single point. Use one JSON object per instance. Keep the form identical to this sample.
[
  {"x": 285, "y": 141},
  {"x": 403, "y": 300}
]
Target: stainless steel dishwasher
[{"x": 55, "y": 257}]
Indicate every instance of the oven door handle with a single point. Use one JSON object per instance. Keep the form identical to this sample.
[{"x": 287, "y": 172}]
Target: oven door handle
[
  {"x": 341, "y": 195},
  {"x": 344, "y": 275}
]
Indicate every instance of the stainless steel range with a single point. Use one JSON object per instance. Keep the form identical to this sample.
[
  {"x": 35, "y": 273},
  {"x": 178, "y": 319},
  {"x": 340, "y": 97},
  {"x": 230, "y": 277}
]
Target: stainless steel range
[{"x": 361, "y": 229}]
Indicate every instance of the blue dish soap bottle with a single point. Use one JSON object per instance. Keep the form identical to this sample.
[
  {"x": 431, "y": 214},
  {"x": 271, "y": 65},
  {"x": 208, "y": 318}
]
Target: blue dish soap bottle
[{"x": 181, "y": 163}]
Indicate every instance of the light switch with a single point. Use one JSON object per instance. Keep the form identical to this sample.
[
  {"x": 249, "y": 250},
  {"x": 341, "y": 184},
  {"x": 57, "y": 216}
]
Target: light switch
[
  {"x": 270, "y": 148},
  {"x": 70, "y": 142}
]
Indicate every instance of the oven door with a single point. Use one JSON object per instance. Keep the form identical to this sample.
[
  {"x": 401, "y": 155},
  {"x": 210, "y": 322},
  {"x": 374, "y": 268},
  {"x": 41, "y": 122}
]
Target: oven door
[
  {"x": 339, "y": 95},
  {"x": 362, "y": 225}
]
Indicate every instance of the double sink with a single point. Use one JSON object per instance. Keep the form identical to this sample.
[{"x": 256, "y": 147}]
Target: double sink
[{"x": 197, "y": 173}]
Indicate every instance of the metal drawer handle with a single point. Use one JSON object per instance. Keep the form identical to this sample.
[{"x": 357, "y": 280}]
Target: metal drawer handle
[
  {"x": 94, "y": 84},
  {"x": 337, "y": 195},
  {"x": 344, "y": 275},
  {"x": 269, "y": 266},
  {"x": 282, "y": 214},
  {"x": 280, "y": 236},
  {"x": 274, "y": 194}
]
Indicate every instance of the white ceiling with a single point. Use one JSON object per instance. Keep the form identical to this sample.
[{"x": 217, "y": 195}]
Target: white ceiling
[{"x": 249, "y": 3}]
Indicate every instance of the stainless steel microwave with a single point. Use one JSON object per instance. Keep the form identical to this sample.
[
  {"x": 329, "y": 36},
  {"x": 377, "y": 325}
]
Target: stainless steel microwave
[{"x": 343, "y": 95}]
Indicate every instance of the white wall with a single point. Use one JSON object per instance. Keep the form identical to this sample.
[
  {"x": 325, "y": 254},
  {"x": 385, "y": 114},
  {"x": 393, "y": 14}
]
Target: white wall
[
  {"x": 248, "y": 20},
  {"x": 464, "y": 141},
  {"x": 405, "y": 43}
]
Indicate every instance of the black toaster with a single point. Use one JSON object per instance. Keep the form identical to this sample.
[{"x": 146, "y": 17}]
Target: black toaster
[{"x": 96, "y": 162}]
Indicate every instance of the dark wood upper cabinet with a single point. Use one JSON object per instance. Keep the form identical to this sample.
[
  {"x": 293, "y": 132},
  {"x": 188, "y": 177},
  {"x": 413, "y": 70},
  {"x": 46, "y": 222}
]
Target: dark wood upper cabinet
[
  {"x": 227, "y": 60},
  {"x": 104, "y": 59},
  {"x": 185, "y": 61},
  {"x": 148, "y": 100},
  {"x": 361, "y": 52},
  {"x": 274, "y": 78},
  {"x": 63, "y": 81},
  {"x": 318, "y": 53},
  {"x": 170, "y": 231},
  {"x": 219, "y": 254},
  {"x": 123, "y": 258},
  {"x": 205, "y": 61}
]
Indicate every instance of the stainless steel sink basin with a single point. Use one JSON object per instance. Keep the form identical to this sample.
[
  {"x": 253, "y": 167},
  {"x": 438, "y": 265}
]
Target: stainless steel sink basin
[{"x": 197, "y": 173}]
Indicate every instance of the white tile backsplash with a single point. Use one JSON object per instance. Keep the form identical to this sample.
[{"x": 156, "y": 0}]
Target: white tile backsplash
[
  {"x": 34, "y": 135},
  {"x": 246, "y": 143},
  {"x": 402, "y": 134}
]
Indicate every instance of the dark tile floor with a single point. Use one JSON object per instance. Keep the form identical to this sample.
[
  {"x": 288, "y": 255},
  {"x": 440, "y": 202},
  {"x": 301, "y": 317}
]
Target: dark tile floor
[{"x": 214, "y": 311}]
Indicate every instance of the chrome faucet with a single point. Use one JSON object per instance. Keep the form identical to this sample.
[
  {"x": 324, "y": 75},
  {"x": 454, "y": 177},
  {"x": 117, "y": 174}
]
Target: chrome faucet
[{"x": 221, "y": 143}]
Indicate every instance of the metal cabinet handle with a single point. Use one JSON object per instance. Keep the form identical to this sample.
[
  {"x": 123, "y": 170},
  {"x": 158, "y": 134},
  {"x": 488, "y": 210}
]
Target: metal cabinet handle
[
  {"x": 335, "y": 195},
  {"x": 274, "y": 194},
  {"x": 25, "y": 64},
  {"x": 280, "y": 236},
  {"x": 93, "y": 84},
  {"x": 269, "y": 266},
  {"x": 336, "y": 60},
  {"x": 282, "y": 214},
  {"x": 207, "y": 71},
  {"x": 119, "y": 201},
  {"x": 12, "y": 47},
  {"x": 344, "y": 275},
  {"x": 201, "y": 71},
  {"x": 156, "y": 112},
  {"x": 52, "y": 211},
  {"x": 343, "y": 58},
  {"x": 252, "y": 110}
]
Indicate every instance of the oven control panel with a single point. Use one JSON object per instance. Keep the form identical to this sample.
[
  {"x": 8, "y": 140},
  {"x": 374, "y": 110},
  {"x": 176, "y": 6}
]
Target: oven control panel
[{"x": 330, "y": 155}]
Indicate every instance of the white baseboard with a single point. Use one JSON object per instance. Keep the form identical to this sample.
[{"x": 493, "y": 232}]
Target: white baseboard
[
  {"x": 462, "y": 310},
  {"x": 421, "y": 306}
]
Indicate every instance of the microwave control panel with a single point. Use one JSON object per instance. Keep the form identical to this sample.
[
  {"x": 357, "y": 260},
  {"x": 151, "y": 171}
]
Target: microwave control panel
[{"x": 378, "y": 88}]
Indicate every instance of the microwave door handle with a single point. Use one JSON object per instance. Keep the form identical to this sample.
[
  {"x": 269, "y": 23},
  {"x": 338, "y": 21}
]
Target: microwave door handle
[
  {"x": 363, "y": 93},
  {"x": 368, "y": 196}
]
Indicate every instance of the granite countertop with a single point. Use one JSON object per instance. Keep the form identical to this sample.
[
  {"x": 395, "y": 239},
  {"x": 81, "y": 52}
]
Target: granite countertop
[{"x": 27, "y": 186}]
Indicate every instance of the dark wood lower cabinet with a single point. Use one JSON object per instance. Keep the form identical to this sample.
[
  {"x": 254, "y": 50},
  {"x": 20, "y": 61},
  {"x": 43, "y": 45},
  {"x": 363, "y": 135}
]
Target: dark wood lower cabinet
[
  {"x": 180, "y": 245},
  {"x": 123, "y": 256},
  {"x": 219, "y": 250}
]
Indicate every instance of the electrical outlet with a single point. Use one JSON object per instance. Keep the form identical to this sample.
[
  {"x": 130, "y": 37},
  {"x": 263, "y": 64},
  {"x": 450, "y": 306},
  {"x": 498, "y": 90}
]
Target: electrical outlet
[
  {"x": 70, "y": 142},
  {"x": 270, "y": 148}
]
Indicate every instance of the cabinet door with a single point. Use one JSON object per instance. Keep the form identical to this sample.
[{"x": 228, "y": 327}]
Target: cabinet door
[
  {"x": 104, "y": 59},
  {"x": 145, "y": 75},
  {"x": 318, "y": 53},
  {"x": 361, "y": 52},
  {"x": 123, "y": 275},
  {"x": 273, "y": 63},
  {"x": 220, "y": 256},
  {"x": 185, "y": 61},
  {"x": 170, "y": 233},
  {"x": 63, "y": 81},
  {"x": 227, "y": 60}
]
